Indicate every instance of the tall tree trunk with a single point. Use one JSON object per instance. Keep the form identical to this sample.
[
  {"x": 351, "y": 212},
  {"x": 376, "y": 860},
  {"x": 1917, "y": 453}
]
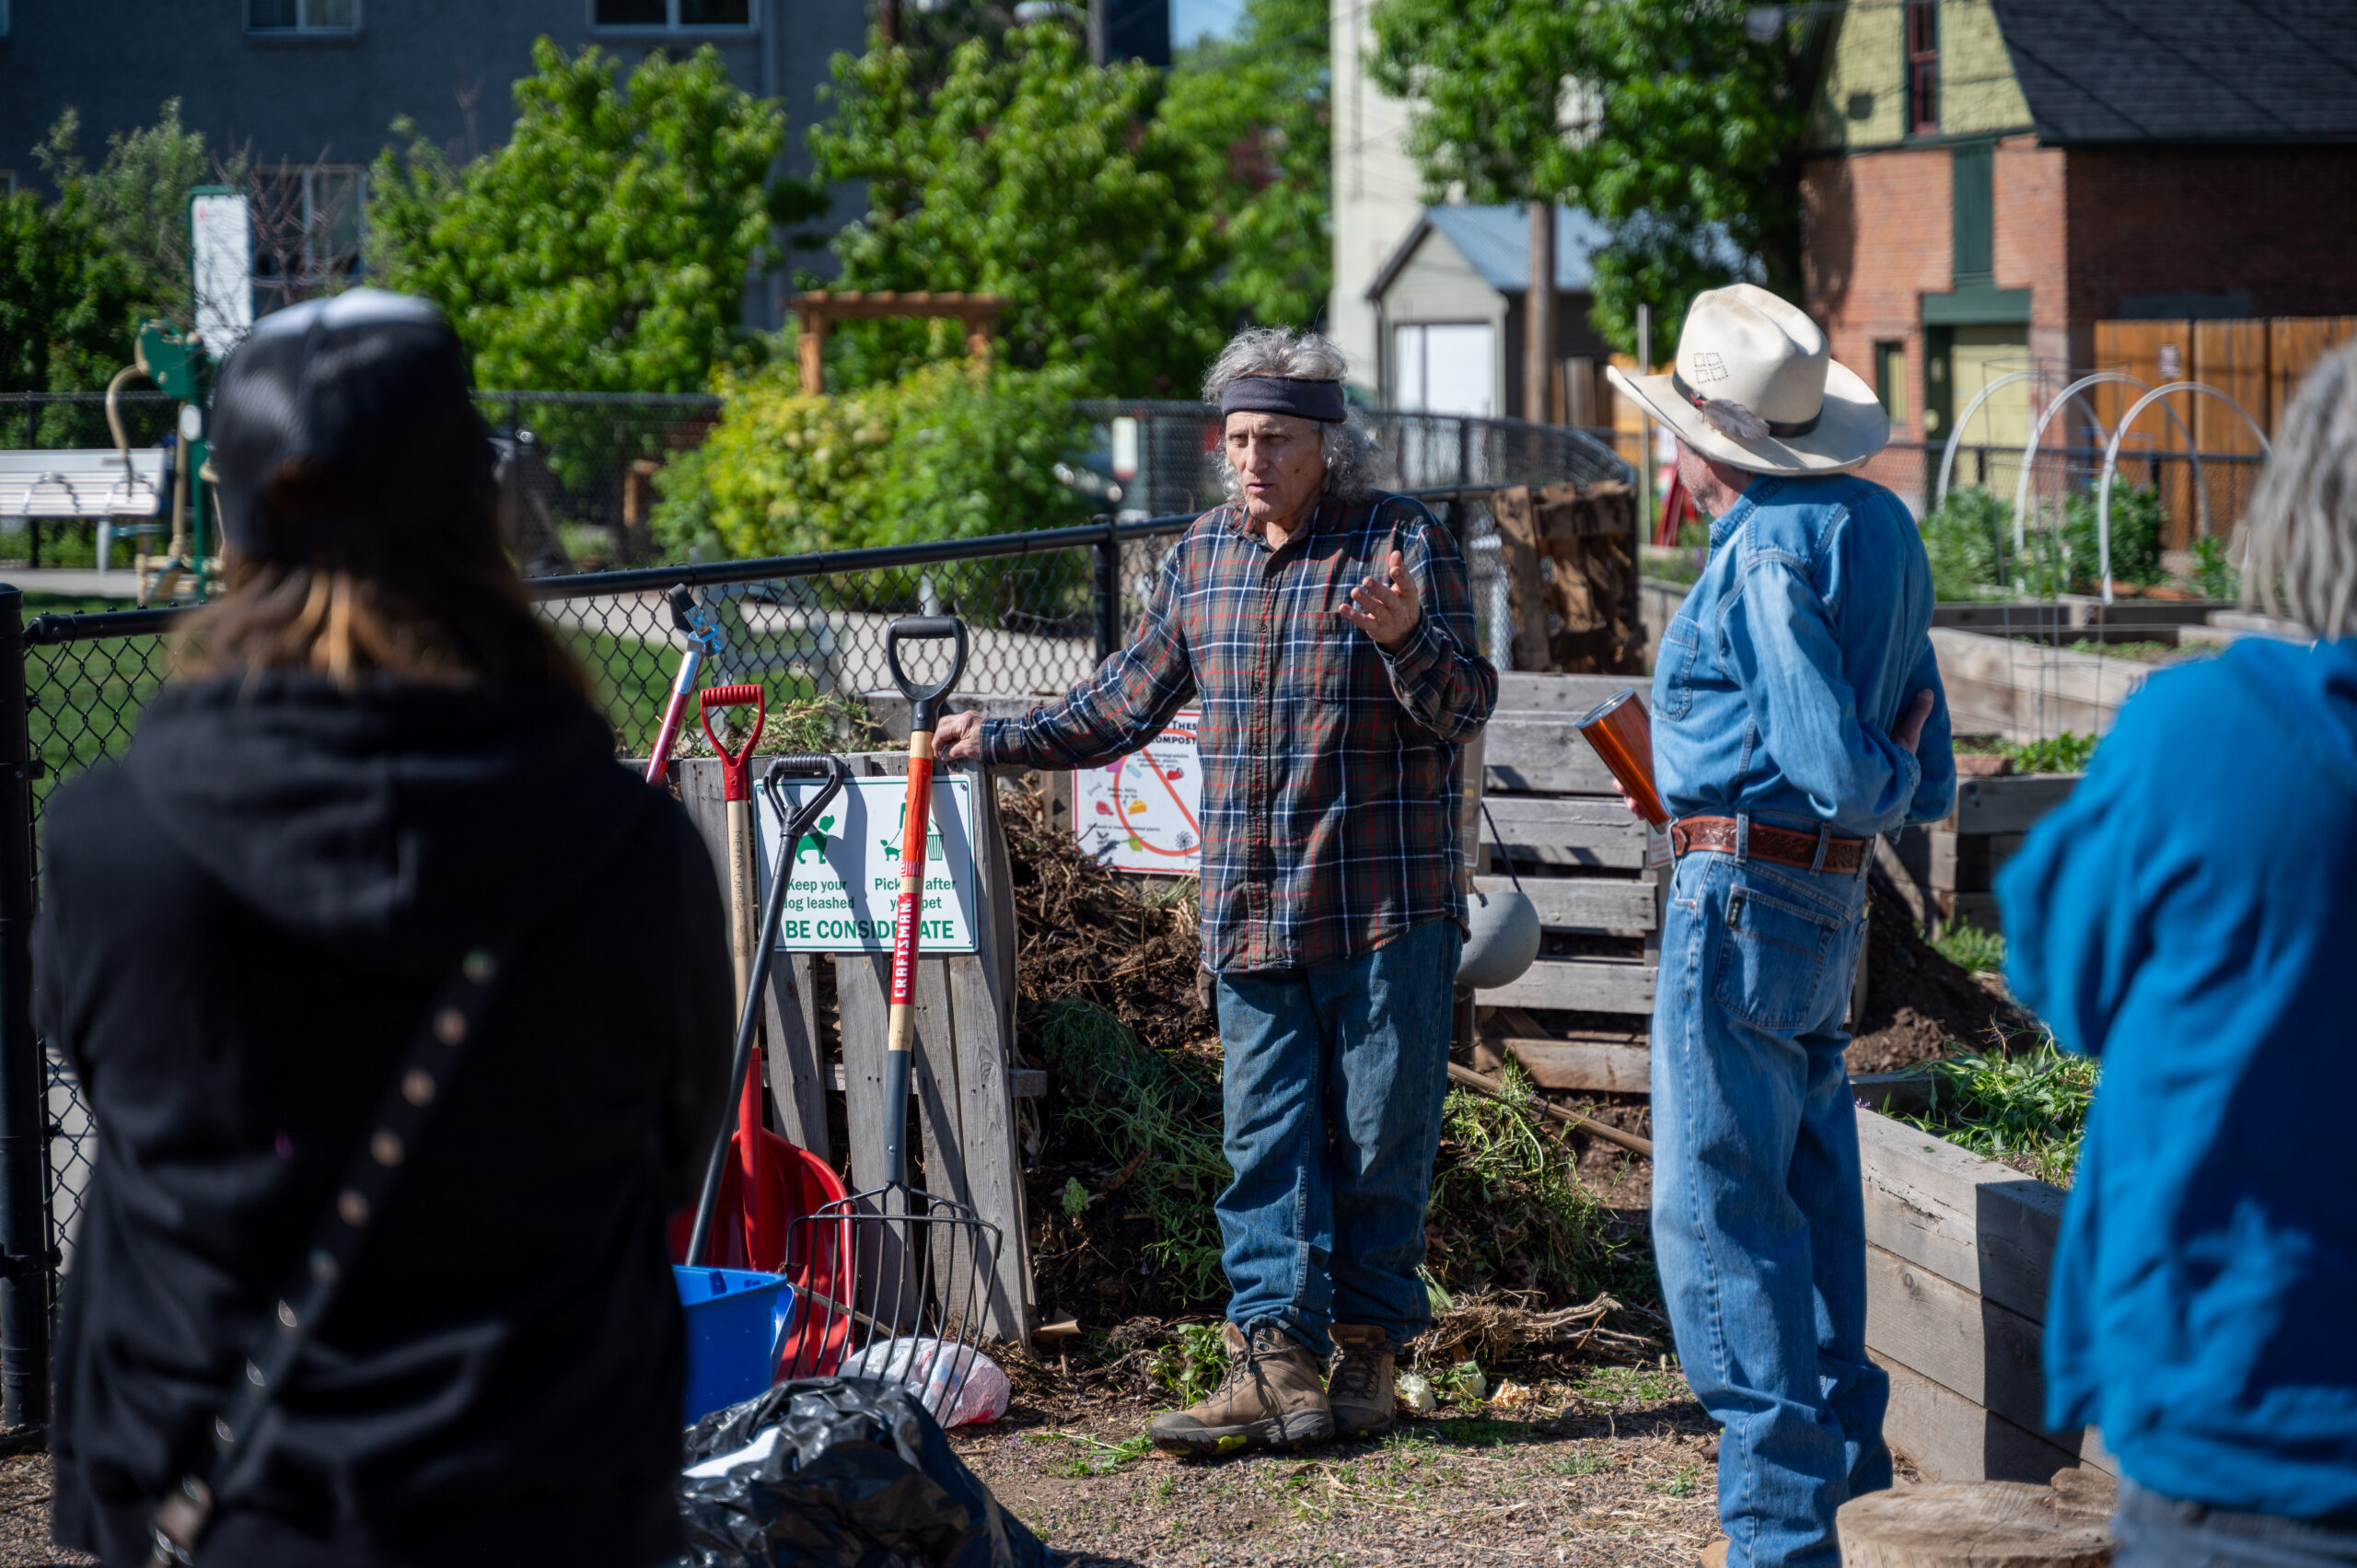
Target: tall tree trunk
[{"x": 1539, "y": 319}]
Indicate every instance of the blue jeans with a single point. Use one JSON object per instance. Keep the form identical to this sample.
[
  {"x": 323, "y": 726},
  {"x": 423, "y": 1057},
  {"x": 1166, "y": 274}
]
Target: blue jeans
[
  {"x": 1758, "y": 1225},
  {"x": 1334, "y": 1087},
  {"x": 2158, "y": 1531}
]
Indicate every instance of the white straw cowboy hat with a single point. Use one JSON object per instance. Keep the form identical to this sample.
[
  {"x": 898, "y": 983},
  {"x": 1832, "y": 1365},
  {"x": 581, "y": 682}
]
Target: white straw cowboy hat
[{"x": 1755, "y": 387}]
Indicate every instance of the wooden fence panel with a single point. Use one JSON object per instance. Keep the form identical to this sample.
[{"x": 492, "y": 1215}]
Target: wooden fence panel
[{"x": 2294, "y": 344}]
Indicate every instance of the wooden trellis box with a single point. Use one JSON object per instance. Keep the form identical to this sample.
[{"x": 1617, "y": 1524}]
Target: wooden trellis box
[{"x": 965, "y": 1076}]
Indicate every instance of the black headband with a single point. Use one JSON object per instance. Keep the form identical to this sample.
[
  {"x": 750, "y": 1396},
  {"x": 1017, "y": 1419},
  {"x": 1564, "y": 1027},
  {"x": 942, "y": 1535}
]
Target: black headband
[
  {"x": 1295, "y": 395},
  {"x": 1778, "y": 427}
]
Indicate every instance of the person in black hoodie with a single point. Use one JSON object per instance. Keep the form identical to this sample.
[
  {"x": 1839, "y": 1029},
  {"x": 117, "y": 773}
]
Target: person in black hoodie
[{"x": 375, "y": 759}]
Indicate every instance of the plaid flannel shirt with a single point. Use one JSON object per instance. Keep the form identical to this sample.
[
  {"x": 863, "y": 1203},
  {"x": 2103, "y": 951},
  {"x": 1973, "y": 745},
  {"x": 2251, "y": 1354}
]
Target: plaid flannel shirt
[{"x": 1328, "y": 765}]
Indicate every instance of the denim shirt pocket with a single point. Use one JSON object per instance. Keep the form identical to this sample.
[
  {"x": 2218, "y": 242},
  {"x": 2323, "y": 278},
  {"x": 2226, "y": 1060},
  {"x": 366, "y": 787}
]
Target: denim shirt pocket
[
  {"x": 1681, "y": 644},
  {"x": 1772, "y": 954}
]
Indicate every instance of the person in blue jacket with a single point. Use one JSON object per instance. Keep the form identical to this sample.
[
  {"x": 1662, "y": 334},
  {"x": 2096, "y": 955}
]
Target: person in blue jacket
[
  {"x": 1797, "y": 712},
  {"x": 2190, "y": 916}
]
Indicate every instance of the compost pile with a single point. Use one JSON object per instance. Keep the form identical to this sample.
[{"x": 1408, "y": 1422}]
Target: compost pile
[
  {"x": 1916, "y": 1001},
  {"x": 1126, "y": 1161}
]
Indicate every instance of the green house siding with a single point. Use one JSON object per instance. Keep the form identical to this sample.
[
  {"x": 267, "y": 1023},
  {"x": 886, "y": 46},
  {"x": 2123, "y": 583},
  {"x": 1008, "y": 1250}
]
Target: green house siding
[{"x": 1862, "y": 95}]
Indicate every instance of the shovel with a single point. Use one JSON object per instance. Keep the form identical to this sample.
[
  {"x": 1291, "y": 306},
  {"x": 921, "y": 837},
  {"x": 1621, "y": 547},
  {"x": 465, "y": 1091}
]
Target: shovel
[
  {"x": 926, "y": 1261},
  {"x": 773, "y": 1178}
]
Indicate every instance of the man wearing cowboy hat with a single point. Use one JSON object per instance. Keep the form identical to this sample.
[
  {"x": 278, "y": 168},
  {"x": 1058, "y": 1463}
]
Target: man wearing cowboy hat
[{"x": 1797, "y": 712}]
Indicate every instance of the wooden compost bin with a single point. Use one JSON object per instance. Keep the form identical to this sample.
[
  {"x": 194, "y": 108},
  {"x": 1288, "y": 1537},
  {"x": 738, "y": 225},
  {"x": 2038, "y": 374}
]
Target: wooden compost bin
[
  {"x": 965, "y": 1077},
  {"x": 1550, "y": 799},
  {"x": 1958, "y": 1253}
]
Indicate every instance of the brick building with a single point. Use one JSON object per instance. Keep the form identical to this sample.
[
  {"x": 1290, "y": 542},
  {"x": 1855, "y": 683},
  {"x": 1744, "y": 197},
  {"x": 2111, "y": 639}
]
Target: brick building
[{"x": 1996, "y": 177}]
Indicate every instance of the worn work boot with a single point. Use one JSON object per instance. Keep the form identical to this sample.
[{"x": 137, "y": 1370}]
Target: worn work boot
[
  {"x": 1270, "y": 1399},
  {"x": 1715, "y": 1554},
  {"x": 1360, "y": 1388}
]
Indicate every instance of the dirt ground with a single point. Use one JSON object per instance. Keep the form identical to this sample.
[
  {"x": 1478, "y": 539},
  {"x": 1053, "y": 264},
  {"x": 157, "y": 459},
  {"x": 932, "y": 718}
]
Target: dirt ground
[
  {"x": 1618, "y": 1467},
  {"x": 24, "y": 1515}
]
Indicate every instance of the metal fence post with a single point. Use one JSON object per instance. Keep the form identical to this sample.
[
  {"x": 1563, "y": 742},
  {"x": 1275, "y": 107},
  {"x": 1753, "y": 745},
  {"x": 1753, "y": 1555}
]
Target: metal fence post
[
  {"x": 25, "y": 1258},
  {"x": 1109, "y": 592}
]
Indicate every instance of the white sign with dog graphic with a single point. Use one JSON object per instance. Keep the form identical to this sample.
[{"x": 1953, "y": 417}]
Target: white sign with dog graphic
[{"x": 847, "y": 869}]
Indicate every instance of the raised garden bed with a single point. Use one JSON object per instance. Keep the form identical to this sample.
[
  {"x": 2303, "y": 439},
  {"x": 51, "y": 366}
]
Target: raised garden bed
[{"x": 1958, "y": 1252}]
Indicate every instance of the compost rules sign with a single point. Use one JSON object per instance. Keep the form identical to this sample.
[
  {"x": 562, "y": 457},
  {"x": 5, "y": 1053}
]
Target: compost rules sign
[
  {"x": 847, "y": 869},
  {"x": 1144, "y": 813}
]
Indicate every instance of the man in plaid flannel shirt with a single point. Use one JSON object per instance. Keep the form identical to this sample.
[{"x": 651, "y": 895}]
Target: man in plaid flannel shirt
[{"x": 1327, "y": 631}]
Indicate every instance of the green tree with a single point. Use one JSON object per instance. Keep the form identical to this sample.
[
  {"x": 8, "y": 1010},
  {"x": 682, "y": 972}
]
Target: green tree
[
  {"x": 1033, "y": 175},
  {"x": 66, "y": 302},
  {"x": 605, "y": 247},
  {"x": 136, "y": 201},
  {"x": 1679, "y": 123},
  {"x": 1256, "y": 110}
]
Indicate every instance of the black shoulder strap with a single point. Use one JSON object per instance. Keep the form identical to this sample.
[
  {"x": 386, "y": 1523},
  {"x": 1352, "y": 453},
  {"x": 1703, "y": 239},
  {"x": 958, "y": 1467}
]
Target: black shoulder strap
[{"x": 417, "y": 1082}]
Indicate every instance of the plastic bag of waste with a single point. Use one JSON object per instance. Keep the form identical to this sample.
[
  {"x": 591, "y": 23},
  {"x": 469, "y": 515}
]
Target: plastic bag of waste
[
  {"x": 826, "y": 1472},
  {"x": 957, "y": 1383}
]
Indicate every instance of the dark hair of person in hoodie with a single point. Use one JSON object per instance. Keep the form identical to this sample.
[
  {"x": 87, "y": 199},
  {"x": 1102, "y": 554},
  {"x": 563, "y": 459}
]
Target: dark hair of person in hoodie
[
  {"x": 377, "y": 760},
  {"x": 337, "y": 571}
]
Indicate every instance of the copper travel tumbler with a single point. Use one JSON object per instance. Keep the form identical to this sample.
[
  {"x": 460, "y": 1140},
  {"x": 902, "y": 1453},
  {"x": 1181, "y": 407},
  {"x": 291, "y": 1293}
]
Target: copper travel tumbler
[{"x": 1623, "y": 735}]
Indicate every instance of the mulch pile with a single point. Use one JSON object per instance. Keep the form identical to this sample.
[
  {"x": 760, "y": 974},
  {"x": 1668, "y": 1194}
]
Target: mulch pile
[{"x": 1916, "y": 1001}]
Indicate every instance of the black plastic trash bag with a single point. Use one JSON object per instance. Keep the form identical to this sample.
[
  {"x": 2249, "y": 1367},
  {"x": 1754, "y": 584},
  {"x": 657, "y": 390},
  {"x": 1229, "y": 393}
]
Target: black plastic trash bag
[{"x": 858, "y": 1476}]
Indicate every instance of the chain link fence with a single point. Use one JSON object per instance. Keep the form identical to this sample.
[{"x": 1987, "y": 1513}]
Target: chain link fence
[{"x": 1041, "y": 608}]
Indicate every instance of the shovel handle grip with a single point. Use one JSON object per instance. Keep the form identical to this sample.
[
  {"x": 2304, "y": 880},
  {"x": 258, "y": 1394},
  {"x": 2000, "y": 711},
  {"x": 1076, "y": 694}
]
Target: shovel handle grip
[
  {"x": 924, "y": 700},
  {"x": 733, "y": 784}
]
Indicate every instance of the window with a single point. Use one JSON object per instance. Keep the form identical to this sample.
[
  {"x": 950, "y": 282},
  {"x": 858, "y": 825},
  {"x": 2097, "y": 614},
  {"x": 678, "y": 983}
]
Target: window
[
  {"x": 1972, "y": 211},
  {"x": 672, "y": 14},
  {"x": 1890, "y": 379},
  {"x": 307, "y": 230},
  {"x": 1448, "y": 368},
  {"x": 1922, "y": 65},
  {"x": 302, "y": 16}
]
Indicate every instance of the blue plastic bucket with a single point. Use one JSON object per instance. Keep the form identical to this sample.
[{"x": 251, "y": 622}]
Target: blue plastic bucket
[{"x": 736, "y": 1319}]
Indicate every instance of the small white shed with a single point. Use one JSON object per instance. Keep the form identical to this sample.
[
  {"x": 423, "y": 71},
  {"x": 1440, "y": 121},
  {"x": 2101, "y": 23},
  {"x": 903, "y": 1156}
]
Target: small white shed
[{"x": 1449, "y": 305}]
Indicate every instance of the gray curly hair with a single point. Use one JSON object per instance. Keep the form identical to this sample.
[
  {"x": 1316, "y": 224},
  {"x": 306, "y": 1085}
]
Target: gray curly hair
[
  {"x": 2300, "y": 535},
  {"x": 1348, "y": 448}
]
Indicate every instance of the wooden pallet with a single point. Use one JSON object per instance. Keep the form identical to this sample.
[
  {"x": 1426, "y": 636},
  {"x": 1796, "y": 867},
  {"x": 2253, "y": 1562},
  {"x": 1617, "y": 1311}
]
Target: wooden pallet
[
  {"x": 1948, "y": 870},
  {"x": 1549, "y": 800}
]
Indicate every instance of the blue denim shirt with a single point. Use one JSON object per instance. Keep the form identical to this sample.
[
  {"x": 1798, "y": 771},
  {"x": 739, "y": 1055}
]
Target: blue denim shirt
[{"x": 1777, "y": 685}]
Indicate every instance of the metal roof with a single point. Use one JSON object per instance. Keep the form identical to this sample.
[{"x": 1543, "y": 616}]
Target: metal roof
[
  {"x": 2185, "y": 71},
  {"x": 1496, "y": 241}
]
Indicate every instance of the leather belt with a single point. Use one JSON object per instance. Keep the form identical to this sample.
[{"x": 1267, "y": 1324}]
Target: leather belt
[{"x": 1781, "y": 846}]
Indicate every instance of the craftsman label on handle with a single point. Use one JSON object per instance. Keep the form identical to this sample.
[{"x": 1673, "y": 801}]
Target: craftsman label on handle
[
  {"x": 1144, "y": 812},
  {"x": 845, "y": 893}
]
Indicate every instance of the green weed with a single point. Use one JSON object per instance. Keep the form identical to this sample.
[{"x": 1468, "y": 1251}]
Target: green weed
[
  {"x": 1969, "y": 946},
  {"x": 1630, "y": 1385},
  {"x": 1682, "y": 1482},
  {"x": 2029, "y": 1110},
  {"x": 1074, "y": 1197},
  {"x": 1191, "y": 1366},
  {"x": 1149, "y": 1110},
  {"x": 1093, "y": 1456},
  {"x": 1509, "y": 1204},
  {"x": 1579, "y": 1461}
]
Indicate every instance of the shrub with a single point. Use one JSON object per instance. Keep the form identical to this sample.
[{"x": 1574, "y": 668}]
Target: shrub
[
  {"x": 2135, "y": 538},
  {"x": 1963, "y": 536},
  {"x": 942, "y": 453}
]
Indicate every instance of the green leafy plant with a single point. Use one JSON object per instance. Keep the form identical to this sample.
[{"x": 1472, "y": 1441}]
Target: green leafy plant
[
  {"x": 1074, "y": 1197},
  {"x": 1969, "y": 946},
  {"x": 2214, "y": 572},
  {"x": 2136, "y": 522},
  {"x": 1190, "y": 1364},
  {"x": 2066, "y": 753},
  {"x": 604, "y": 248},
  {"x": 2029, "y": 1110},
  {"x": 946, "y": 451},
  {"x": 1093, "y": 1455},
  {"x": 1693, "y": 129},
  {"x": 1509, "y": 1202},
  {"x": 1963, "y": 537},
  {"x": 1148, "y": 1114},
  {"x": 1031, "y": 174}
]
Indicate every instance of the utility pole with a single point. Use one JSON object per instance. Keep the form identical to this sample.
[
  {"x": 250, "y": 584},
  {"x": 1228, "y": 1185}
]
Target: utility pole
[{"x": 1539, "y": 318}]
